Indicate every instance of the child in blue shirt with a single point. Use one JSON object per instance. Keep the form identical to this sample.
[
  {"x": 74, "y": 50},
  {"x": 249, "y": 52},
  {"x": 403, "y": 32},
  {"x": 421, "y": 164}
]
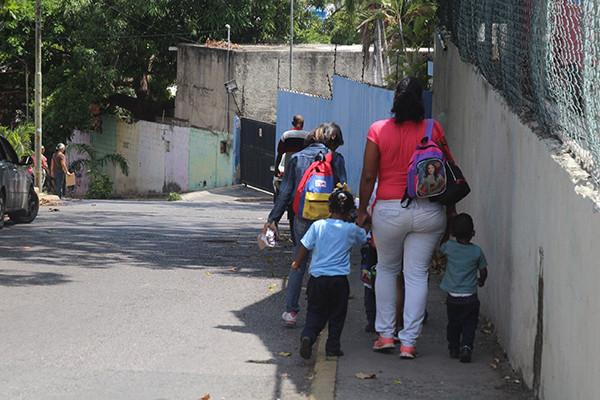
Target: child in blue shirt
[
  {"x": 465, "y": 259},
  {"x": 328, "y": 289}
]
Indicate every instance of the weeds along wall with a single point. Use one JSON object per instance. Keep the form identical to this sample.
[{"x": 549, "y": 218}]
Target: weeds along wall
[
  {"x": 162, "y": 158},
  {"x": 537, "y": 219}
]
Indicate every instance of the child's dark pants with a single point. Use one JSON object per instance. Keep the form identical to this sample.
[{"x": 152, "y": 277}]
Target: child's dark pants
[
  {"x": 463, "y": 313},
  {"x": 370, "y": 306},
  {"x": 327, "y": 302}
]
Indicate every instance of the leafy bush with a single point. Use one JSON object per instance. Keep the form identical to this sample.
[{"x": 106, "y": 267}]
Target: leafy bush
[
  {"x": 173, "y": 196},
  {"x": 100, "y": 187},
  {"x": 20, "y": 138}
]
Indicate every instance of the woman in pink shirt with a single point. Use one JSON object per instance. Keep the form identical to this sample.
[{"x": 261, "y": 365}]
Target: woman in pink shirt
[{"x": 405, "y": 234}]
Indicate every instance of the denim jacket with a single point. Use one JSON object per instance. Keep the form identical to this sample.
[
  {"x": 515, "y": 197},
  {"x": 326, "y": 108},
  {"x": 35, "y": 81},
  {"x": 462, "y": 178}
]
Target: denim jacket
[{"x": 294, "y": 171}]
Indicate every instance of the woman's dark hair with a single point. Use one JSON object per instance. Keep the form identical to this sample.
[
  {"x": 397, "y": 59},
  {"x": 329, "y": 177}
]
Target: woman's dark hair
[
  {"x": 462, "y": 226},
  {"x": 328, "y": 133},
  {"x": 341, "y": 201},
  {"x": 408, "y": 101}
]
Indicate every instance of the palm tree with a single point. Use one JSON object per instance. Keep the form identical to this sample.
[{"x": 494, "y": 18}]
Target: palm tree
[
  {"x": 20, "y": 138},
  {"x": 400, "y": 15},
  {"x": 100, "y": 186},
  {"x": 93, "y": 165}
]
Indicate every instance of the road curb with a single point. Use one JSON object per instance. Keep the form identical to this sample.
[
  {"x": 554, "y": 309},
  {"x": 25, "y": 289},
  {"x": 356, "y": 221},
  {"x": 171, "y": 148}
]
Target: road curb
[{"x": 325, "y": 372}]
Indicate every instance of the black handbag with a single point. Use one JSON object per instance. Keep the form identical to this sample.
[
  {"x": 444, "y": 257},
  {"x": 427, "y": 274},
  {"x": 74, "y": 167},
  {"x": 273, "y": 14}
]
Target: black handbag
[{"x": 456, "y": 184}]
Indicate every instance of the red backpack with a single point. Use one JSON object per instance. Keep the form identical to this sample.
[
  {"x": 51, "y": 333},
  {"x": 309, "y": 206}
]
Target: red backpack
[{"x": 311, "y": 200}]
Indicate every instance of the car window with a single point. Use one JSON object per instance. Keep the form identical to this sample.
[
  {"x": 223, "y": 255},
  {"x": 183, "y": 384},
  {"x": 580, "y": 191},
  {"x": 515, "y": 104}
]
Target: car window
[
  {"x": 2, "y": 152},
  {"x": 9, "y": 152}
]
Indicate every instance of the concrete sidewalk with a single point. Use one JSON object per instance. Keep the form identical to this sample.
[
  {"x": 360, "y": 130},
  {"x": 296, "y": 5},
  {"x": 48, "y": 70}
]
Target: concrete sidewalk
[{"x": 433, "y": 375}]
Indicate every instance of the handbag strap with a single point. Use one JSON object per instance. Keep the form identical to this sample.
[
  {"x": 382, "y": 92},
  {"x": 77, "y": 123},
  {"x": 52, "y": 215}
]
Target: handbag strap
[{"x": 443, "y": 145}]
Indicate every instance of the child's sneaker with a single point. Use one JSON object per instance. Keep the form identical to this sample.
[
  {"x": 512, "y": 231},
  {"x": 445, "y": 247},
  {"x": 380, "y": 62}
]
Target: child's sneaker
[
  {"x": 465, "y": 354},
  {"x": 408, "y": 352},
  {"x": 383, "y": 343},
  {"x": 305, "y": 347},
  {"x": 289, "y": 318}
]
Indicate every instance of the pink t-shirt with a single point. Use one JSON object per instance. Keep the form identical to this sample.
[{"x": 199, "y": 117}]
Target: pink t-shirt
[{"x": 396, "y": 143}]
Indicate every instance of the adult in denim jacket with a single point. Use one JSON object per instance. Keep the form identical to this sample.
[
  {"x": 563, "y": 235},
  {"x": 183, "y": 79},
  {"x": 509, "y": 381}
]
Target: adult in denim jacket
[{"x": 326, "y": 137}]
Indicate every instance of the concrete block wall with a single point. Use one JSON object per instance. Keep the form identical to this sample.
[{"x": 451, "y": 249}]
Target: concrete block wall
[
  {"x": 537, "y": 219},
  {"x": 128, "y": 147},
  {"x": 162, "y": 158},
  {"x": 151, "y": 157},
  {"x": 81, "y": 180},
  {"x": 208, "y": 167},
  {"x": 177, "y": 145},
  {"x": 259, "y": 72}
]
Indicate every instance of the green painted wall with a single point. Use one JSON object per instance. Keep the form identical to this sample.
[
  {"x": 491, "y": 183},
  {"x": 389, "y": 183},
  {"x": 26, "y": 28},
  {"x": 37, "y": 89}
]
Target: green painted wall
[{"x": 208, "y": 167}]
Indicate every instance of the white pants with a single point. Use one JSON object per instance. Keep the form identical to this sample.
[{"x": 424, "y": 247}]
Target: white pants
[{"x": 405, "y": 239}]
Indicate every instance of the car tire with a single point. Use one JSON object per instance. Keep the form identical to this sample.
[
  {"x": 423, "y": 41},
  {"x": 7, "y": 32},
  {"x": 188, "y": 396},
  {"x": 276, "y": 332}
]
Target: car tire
[
  {"x": 33, "y": 206},
  {"x": 2, "y": 202}
]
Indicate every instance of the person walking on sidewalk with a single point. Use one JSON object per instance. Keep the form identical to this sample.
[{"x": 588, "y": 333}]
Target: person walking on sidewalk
[
  {"x": 328, "y": 287},
  {"x": 405, "y": 234},
  {"x": 291, "y": 142},
  {"x": 323, "y": 139},
  {"x": 465, "y": 259}
]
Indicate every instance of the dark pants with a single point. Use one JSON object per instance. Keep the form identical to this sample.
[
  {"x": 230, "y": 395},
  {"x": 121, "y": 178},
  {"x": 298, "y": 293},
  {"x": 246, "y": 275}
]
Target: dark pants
[
  {"x": 368, "y": 262},
  {"x": 463, "y": 313},
  {"x": 59, "y": 182},
  {"x": 290, "y": 216},
  {"x": 370, "y": 306},
  {"x": 327, "y": 302}
]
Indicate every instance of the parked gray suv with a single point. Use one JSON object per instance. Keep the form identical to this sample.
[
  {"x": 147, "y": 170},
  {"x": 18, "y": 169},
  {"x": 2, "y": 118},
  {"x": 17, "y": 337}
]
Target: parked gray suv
[{"x": 18, "y": 199}]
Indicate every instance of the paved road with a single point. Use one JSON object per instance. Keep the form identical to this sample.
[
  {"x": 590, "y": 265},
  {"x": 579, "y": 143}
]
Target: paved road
[
  {"x": 157, "y": 300},
  {"x": 146, "y": 300}
]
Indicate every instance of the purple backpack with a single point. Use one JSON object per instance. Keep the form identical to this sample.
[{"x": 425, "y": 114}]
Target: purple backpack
[{"x": 426, "y": 172}]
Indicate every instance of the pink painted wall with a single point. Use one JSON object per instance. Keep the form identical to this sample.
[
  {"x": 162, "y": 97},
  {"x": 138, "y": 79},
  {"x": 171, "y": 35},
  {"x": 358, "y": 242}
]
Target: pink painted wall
[{"x": 82, "y": 181}]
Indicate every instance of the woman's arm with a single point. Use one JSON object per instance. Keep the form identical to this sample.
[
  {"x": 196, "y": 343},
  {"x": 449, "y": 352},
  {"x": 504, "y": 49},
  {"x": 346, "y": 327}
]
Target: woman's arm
[{"x": 367, "y": 181}]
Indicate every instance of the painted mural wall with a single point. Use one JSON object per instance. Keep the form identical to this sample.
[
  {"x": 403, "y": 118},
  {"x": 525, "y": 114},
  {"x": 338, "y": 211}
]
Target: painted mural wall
[{"x": 161, "y": 158}]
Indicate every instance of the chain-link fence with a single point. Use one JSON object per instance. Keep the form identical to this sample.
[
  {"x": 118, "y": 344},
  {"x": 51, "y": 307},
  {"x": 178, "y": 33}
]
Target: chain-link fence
[{"x": 544, "y": 57}]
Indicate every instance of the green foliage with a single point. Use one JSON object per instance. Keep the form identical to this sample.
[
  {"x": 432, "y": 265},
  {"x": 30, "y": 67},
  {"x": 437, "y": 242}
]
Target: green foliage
[
  {"x": 93, "y": 166},
  {"x": 100, "y": 187},
  {"x": 19, "y": 138},
  {"x": 410, "y": 25},
  {"x": 339, "y": 27},
  {"x": 95, "y": 162},
  {"x": 173, "y": 196},
  {"x": 115, "y": 55}
]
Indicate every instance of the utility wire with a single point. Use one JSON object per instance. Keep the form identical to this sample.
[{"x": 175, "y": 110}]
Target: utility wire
[{"x": 149, "y": 26}]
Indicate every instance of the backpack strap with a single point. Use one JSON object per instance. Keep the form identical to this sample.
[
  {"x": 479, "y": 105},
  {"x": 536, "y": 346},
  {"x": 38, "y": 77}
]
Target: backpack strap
[
  {"x": 429, "y": 128},
  {"x": 330, "y": 158}
]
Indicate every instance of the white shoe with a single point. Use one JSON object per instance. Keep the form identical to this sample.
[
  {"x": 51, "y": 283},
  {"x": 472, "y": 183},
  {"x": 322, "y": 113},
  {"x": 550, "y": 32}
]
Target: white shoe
[{"x": 289, "y": 318}]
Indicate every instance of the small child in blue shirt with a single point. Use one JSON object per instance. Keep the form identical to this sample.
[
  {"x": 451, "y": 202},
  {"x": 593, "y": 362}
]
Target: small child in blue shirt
[
  {"x": 328, "y": 289},
  {"x": 465, "y": 260}
]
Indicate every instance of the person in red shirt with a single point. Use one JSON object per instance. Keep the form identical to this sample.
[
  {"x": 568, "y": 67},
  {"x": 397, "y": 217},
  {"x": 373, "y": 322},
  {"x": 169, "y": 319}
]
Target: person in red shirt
[{"x": 405, "y": 234}]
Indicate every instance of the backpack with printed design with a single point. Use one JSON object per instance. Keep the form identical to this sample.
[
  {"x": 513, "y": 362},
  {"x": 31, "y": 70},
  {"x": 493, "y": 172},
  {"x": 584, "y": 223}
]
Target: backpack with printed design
[
  {"x": 426, "y": 172},
  {"x": 311, "y": 200}
]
